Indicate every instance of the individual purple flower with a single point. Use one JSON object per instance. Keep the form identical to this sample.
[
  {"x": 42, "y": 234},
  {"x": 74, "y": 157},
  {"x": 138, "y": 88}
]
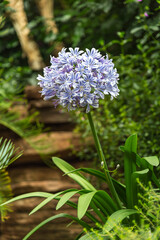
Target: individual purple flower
[
  {"x": 146, "y": 14},
  {"x": 78, "y": 79},
  {"x": 139, "y": 0}
]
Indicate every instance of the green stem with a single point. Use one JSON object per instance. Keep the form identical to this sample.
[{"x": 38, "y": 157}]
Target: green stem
[{"x": 103, "y": 161}]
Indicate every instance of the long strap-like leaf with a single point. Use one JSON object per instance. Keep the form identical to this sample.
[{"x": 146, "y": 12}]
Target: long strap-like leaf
[
  {"x": 130, "y": 167},
  {"x": 82, "y": 223},
  {"x": 79, "y": 178},
  {"x": 116, "y": 218}
]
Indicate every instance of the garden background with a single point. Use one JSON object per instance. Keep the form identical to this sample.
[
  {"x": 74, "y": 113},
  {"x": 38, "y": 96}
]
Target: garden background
[{"x": 127, "y": 30}]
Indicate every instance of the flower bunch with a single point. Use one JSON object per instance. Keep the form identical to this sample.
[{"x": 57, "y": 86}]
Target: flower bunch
[{"x": 78, "y": 79}]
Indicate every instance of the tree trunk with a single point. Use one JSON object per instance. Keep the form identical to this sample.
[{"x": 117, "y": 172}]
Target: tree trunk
[
  {"x": 46, "y": 9},
  {"x": 29, "y": 46}
]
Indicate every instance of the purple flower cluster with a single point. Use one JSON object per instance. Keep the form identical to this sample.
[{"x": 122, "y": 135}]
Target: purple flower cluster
[{"x": 78, "y": 79}]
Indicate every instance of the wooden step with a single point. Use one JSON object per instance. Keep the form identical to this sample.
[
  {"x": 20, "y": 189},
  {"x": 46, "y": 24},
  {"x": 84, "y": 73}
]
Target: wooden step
[
  {"x": 47, "y": 145},
  {"x": 39, "y": 178}
]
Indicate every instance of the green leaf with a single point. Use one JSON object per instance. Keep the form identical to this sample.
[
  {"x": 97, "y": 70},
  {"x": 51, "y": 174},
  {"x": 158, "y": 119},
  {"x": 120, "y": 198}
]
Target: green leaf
[
  {"x": 74, "y": 205},
  {"x": 137, "y": 29},
  {"x": 28, "y": 195},
  {"x": 7, "y": 152},
  {"x": 91, "y": 171},
  {"x": 122, "y": 148},
  {"x": 5, "y": 194},
  {"x": 66, "y": 168},
  {"x": 130, "y": 166},
  {"x": 79, "y": 235},
  {"x": 153, "y": 160},
  {"x": 155, "y": 180},
  {"x": 47, "y": 200},
  {"x": 154, "y": 28},
  {"x": 84, "y": 202},
  {"x": 116, "y": 218},
  {"x": 131, "y": 143},
  {"x": 90, "y": 236},
  {"x": 82, "y": 223},
  {"x": 135, "y": 175},
  {"x": 65, "y": 198},
  {"x": 120, "y": 188},
  {"x": 106, "y": 201},
  {"x": 149, "y": 162}
]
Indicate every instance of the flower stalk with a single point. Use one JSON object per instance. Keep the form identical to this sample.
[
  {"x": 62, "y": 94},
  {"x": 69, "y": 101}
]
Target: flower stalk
[{"x": 103, "y": 160}]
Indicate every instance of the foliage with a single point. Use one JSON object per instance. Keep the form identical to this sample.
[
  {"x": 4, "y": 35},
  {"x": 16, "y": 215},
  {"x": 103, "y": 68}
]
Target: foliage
[
  {"x": 11, "y": 96},
  {"x": 12, "y": 66},
  {"x": 5, "y": 194},
  {"x": 10, "y": 118},
  {"x": 7, "y": 151},
  {"x": 99, "y": 202},
  {"x": 7, "y": 156},
  {"x": 133, "y": 43},
  {"x": 150, "y": 221},
  {"x": 137, "y": 107},
  {"x": 77, "y": 21},
  {"x": 135, "y": 39}
]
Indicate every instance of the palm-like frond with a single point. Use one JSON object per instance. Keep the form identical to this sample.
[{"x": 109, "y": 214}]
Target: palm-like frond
[{"x": 8, "y": 153}]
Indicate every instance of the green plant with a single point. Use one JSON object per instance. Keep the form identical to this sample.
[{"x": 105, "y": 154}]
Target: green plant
[
  {"x": 124, "y": 115},
  {"x": 99, "y": 201},
  {"x": 77, "y": 22},
  {"x": 11, "y": 96},
  {"x": 149, "y": 228},
  {"x": 137, "y": 108},
  {"x": 24, "y": 126},
  {"x": 8, "y": 154}
]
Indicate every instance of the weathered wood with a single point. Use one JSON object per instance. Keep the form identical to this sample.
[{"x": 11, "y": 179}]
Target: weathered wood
[
  {"x": 53, "y": 116},
  {"x": 32, "y": 92},
  {"x": 59, "y": 144},
  {"x": 48, "y": 114}
]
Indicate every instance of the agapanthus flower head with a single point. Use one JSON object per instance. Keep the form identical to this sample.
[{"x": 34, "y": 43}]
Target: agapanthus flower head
[{"x": 78, "y": 79}]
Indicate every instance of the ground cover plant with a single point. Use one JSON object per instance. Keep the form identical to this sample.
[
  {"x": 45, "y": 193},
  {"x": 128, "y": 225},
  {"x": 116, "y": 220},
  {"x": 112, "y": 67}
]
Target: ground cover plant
[{"x": 150, "y": 226}]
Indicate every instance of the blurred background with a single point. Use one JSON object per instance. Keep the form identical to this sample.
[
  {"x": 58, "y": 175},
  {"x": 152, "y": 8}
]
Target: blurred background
[{"x": 32, "y": 31}]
